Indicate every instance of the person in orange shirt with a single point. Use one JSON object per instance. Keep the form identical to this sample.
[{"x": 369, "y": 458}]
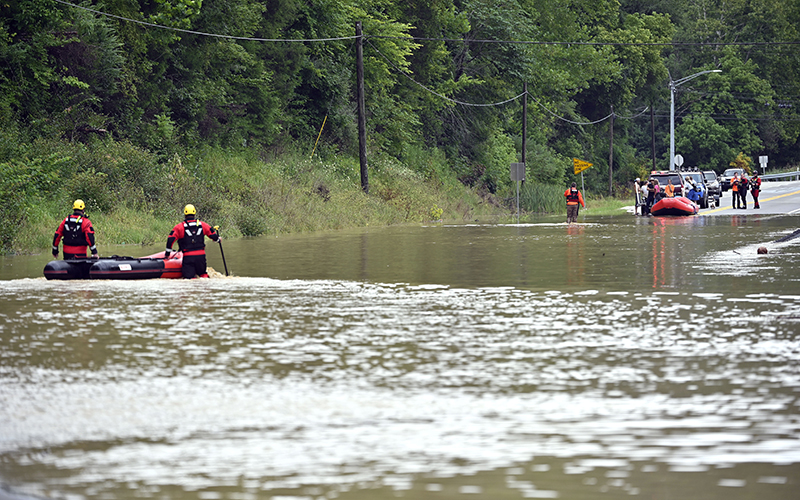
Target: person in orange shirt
[
  {"x": 573, "y": 197},
  {"x": 735, "y": 190},
  {"x": 669, "y": 191}
]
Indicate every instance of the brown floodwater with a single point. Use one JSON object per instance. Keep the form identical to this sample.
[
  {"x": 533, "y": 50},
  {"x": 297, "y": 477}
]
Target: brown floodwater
[{"x": 622, "y": 357}]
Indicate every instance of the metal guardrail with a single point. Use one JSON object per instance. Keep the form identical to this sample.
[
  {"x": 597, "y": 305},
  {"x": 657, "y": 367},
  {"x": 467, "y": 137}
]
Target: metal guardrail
[{"x": 786, "y": 175}]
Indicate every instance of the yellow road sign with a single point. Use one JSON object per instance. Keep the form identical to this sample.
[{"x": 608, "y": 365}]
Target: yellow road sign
[{"x": 580, "y": 165}]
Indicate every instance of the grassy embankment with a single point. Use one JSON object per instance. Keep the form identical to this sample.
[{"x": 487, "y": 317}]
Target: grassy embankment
[{"x": 135, "y": 196}]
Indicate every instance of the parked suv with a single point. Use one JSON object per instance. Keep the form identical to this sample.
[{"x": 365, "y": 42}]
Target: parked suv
[
  {"x": 725, "y": 179},
  {"x": 664, "y": 176},
  {"x": 712, "y": 183}
]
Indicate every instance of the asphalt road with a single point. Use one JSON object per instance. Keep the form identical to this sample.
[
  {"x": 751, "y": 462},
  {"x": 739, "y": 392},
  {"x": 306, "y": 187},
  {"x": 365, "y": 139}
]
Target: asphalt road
[{"x": 776, "y": 198}]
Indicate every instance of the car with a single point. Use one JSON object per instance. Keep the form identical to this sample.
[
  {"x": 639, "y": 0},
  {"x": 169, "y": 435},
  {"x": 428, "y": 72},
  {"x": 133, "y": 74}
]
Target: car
[
  {"x": 712, "y": 183},
  {"x": 664, "y": 176},
  {"x": 698, "y": 180},
  {"x": 725, "y": 178}
]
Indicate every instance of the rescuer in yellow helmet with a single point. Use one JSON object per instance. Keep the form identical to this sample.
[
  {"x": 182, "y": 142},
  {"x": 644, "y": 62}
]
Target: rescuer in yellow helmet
[
  {"x": 190, "y": 235},
  {"x": 77, "y": 232}
]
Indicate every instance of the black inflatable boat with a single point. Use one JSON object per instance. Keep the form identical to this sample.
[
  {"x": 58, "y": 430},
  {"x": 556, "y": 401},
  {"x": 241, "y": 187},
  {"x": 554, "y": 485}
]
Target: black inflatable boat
[{"x": 116, "y": 268}]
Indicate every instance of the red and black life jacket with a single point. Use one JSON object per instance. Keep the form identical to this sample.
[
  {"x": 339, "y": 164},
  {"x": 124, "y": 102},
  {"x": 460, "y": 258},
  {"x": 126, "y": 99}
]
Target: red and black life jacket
[
  {"x": 73, "y": 231},
  {"x": 572, "y": 197},
  {"x": 193, "y": 237}
]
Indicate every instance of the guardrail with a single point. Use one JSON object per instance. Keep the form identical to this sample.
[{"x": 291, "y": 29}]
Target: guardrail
[{"x": 786, "y": 175}]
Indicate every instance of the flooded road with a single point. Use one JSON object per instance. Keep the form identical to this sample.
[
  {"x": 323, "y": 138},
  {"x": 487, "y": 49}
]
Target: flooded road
[{"x": 623, "y": 357}]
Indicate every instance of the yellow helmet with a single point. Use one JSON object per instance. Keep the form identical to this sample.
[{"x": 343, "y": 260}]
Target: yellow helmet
[
  {"x": 189, "y": 210},
  {"x": 78, "y": 205}
]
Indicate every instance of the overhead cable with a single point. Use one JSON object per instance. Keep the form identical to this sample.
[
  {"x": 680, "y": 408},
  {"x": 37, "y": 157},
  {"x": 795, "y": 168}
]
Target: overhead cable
[
  {"x": 545, "y": 42},
  {"x": 632, "y": 117},
  {"x": 567, "y": 119},
  {"x": 529, "y": 42},
  {"x": 231, "y": 37},
  {"x": 460, "y": 40},
  {"x": 438, "y": 94},
  {"x": 498, "y": 103}
]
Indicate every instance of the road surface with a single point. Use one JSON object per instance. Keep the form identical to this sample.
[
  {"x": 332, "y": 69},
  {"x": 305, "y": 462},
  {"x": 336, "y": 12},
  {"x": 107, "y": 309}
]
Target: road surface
[{"x": 776, "y": 198}]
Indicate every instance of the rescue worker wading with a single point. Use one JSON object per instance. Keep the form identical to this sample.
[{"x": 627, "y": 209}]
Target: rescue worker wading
[
  {"x": 573, "y": 197},
  {"x": 190, "y": 235},
  {"x": 78, "y": 234}
]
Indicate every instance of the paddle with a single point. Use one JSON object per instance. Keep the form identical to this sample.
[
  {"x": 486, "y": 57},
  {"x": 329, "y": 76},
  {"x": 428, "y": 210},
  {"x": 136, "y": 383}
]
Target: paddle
[{"x": 216, "y": 228}]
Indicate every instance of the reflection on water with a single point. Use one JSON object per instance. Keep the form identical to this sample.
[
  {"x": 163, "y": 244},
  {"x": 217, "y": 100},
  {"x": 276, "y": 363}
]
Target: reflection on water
[{"x": 625, "y": 357}]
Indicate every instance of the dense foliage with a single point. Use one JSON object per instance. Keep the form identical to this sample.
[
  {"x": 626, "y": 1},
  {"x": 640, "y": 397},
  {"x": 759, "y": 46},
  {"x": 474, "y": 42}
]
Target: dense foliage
[{"x": 142, "y": 77}]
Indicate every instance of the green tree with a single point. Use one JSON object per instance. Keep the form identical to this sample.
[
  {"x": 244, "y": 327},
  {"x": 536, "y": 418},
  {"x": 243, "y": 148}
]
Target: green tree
[{"x": 744, "y": 99}]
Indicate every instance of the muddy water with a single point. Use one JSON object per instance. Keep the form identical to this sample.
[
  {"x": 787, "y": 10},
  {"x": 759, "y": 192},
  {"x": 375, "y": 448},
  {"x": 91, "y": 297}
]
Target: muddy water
[{"x": 654, "y": 358}]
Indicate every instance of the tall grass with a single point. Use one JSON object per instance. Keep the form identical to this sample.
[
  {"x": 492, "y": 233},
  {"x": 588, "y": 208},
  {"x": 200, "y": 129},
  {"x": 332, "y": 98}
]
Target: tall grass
[
  {"x": 549, "y": 199},
  {"x": 542, "y": 198},
  {"x": 134, "y": 196}
]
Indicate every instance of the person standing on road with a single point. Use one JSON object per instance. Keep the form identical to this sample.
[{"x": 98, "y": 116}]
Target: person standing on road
[
  {"x": 755, "y": 189},
  {"x": 637, "y": 193},
  {"x": 735, "y": 200},
  {"x": 651, "y": 194},
  {"x": 78, "y": 234},
  {"x": 659, "y": 191},
  {"x": 190, "y": 235},
  {"x": 743, "y": 185},
  {"x": 643, "y": 189},
  {"x": 573, "y": 197}
]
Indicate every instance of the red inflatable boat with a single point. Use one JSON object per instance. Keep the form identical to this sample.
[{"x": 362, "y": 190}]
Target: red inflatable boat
[
  {"x": 116, "y": 268},
  {"x": 675, "y": 206}
]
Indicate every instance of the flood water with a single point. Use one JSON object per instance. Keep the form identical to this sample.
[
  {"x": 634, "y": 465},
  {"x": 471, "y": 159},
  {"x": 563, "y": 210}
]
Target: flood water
[{"x": 623, "y": 357}]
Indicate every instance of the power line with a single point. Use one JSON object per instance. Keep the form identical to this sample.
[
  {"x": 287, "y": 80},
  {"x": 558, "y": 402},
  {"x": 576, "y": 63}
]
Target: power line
[
  {"x": 460, "y": 40},
  {"x": 231, "y": 37},
  {"x": 740, "y": 95},
  {"x": 526, "y": 42},
  {"x": 634, "y": 116},
  {"x": 635, "y": 44},
  {"x": 438, "y": 94},
  {"x": 729, "y": 117},
  {"x": 501, "y": 102},
  {"x": 567, "y": 119}
]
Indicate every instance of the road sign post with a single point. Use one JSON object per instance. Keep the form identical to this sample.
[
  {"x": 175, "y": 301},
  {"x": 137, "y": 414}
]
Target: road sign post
[
  {"x": 578, "y": 166},
  {"x": 763, "y": 161},
  {"x": 518, "y": 174}
]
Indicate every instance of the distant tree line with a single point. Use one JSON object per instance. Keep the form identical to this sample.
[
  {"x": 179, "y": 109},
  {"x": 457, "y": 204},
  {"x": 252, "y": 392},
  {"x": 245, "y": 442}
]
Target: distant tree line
[{"x": 147, "y": 72}]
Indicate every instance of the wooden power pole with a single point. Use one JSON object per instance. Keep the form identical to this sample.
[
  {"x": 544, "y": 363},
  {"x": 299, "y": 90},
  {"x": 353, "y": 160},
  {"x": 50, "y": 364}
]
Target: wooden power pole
[
  {"x": 611, "y": 155},
  {"x": 653, "y": 133},
  {"x": 525, "y": 125},
  {"x": 362, "y": 118}
]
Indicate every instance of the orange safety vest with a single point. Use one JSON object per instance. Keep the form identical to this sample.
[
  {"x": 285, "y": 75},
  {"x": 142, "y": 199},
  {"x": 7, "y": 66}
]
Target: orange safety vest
[{"x": 573, "y": 196}]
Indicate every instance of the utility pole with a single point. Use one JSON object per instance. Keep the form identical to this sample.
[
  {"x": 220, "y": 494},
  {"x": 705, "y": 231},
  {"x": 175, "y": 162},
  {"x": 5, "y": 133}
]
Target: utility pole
[
  {"x": 611, "y": 155},
  {"x": 673, "y": 84},
  {"x": 362, "y": 118},
  {"x": 524, "y": 125},
  {"x": 653, "y": 133}
]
